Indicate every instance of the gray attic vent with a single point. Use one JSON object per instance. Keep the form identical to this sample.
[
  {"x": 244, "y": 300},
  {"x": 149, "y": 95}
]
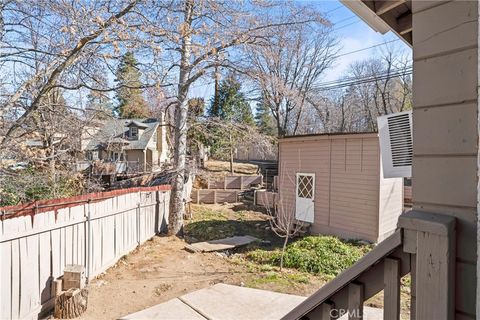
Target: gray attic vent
[{"x": 396, "y": 144}]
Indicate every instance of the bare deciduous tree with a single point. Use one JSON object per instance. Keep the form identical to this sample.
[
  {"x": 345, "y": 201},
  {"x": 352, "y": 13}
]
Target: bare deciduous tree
[
  {"x": 372, "y": 88},
  {"x": 200, "y": 35},
  {"x": 287, "y": 68},
  {"x": 283, "y": 221}
]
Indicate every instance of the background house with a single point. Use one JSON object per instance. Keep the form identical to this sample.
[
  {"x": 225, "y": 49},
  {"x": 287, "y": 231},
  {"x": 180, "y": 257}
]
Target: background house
[
  {"x": 133, "y": 145},
  {"x": 335, "y": 182}
]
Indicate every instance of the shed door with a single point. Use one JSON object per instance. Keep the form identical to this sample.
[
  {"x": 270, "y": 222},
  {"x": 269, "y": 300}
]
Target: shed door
[{"x": 304, "y": 203}]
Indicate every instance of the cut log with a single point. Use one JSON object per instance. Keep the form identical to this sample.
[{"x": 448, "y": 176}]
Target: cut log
[{"x": 71, "y": 303}]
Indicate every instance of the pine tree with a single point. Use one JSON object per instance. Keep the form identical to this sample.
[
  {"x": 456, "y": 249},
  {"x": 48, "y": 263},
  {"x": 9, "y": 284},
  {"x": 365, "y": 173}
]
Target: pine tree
[
  {"x": 131, "y": 103},
  {"x": 264, "y": 120},
  {"x": 231, "y": 104}
]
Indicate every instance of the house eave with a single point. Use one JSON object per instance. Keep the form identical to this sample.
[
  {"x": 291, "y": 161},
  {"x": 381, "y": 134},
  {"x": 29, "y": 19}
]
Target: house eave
[{"x": 384, "y": 16}]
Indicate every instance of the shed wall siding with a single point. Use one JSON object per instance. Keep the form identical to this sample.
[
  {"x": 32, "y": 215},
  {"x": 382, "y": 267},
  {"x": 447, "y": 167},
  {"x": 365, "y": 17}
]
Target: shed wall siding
[
  {"x": 445, "y": 127},
  {"x": 390, "y": 204},
  {"x": 346, "y": 182}
]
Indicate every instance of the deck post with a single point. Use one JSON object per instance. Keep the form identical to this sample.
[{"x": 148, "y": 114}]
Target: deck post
[
  {"x": 355, "y": 301},
  {"x": 391, "y": 294},
  {"x": 413, "y": 284},
  {"x": 434, "y": 235},
  {"x": 325, "y": 311}
]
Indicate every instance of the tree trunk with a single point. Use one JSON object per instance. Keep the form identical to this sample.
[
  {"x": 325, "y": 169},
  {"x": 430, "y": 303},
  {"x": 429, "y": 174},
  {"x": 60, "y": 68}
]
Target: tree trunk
[
  {"x": 177, "y": 206},
  {"x": 71, "y": 304},
  {"x": 283, "y": 252},
  {"x": 231, "y": 155}
]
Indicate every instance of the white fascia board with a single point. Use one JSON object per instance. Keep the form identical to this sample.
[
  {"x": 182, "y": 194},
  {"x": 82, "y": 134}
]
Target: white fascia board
[{"x": 367, "y": 15}]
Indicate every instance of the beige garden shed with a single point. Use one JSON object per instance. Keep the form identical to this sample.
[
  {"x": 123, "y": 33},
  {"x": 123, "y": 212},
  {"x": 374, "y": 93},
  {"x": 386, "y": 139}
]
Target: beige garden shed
[{"x": 335, "y": 182}]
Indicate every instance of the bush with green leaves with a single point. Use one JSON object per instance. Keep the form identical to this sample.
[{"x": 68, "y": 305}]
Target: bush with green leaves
[{"x": 323, "y": 255}]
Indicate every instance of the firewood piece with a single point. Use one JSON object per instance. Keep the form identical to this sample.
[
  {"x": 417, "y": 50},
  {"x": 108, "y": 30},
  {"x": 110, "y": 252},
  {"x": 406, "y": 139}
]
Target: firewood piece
[{"x": 71, "y": 303}]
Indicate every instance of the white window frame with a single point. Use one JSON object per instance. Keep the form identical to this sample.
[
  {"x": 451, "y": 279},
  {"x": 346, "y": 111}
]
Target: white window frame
[
  {"x": 92, "y": 155},
  {"x": 134, "y": 132}
]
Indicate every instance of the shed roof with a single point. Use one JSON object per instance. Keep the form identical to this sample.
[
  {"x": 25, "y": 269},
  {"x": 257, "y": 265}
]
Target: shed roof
[
  {"x": 113, "y": 131},
  {"x": 328, "y": 136}
]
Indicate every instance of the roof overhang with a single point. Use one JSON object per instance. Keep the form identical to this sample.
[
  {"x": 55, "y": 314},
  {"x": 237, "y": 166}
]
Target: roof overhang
[{"x": 385, "y": 15}]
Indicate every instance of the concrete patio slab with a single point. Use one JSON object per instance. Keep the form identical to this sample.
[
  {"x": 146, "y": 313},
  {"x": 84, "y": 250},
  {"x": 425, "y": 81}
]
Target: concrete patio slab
[
  {"x": 227, "y": 302},
  {"x": 173, "y": 309},
  {"x": 223, "y": 301}
]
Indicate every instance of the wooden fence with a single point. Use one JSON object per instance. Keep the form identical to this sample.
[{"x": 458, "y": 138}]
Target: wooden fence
[
  {"x": 210, "y": 196},
  {"x": 407, "y": 195},
  {"x": 235, "y": 182},
  {"x": 265, "y": 198},
  {"x": 37, "y": 240}
]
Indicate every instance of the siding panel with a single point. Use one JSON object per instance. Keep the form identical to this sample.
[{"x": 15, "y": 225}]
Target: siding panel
[{"x": 347, "y": 182}]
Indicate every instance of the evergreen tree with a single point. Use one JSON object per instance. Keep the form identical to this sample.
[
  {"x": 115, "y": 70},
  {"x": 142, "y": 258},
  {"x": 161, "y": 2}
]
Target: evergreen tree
[
  {"x": 131, "y": 103},
  {"x": 231, "y": 104},
  {"x": 264, "y": 120}
]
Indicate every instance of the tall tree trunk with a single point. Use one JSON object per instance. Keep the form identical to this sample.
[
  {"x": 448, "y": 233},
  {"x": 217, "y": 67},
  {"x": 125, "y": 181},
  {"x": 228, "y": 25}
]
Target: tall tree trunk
[
  {"x": 216, "y": 96},
  {"x": 177, "y": 206},
  {"x": 231, "y": 154}
]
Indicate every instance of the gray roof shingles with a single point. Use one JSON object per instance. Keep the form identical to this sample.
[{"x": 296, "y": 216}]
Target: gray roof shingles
[{"x": 113, "y": 131}]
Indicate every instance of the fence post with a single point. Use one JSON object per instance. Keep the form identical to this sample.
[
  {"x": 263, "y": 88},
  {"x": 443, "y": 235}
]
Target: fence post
[
  {"x": 157, "y": 212},
  {"x": 89, "y": 240},
  {"x": 165, "y": 213},
  {"x": 138, "y": 222},
  {"x": 2, "y": 217}
]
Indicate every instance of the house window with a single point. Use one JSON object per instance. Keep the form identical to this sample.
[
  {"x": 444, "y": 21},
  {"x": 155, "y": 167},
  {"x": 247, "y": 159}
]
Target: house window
[
  {"x": 92, "y": 155},
  {"x": 117, "y": 156},
  {"x": 134, "y": 132}
]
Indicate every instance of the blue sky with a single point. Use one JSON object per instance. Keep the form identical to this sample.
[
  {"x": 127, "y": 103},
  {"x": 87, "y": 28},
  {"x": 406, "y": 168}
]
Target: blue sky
[{"x": 353, "y": 34}]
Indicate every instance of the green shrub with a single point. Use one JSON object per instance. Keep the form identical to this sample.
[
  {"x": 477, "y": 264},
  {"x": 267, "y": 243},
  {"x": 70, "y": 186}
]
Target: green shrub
[{"x": 314, "y": 254}]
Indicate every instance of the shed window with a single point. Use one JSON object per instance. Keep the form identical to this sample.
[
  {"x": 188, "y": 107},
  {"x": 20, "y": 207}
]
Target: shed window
[{"x": 305, "y": 186}]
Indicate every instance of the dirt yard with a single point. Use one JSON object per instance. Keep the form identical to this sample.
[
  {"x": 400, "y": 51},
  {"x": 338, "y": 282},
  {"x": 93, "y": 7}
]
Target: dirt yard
[{"x": 161, "y": 269}]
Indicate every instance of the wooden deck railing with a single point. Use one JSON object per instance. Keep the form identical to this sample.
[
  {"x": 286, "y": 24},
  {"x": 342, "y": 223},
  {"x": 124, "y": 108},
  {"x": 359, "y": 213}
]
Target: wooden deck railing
[{"x": 423, "y": 246}]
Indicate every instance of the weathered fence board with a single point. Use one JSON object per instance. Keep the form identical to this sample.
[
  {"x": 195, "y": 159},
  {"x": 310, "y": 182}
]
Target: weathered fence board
[
  {"x": 235, "y": 182},
  {"x": 265, "y": 198},
  {"x": 407, "y": 194},
  {"x": 36, "y": 245},
  {"x": 209, "y": 196}
]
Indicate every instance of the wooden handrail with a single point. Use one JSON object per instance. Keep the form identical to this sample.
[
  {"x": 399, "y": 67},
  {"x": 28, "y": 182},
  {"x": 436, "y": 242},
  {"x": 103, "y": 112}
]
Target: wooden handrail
[{"x": 423, "y": 243}]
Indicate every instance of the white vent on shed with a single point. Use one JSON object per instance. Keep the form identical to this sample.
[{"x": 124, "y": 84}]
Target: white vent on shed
[{"x": 396, "y": 144}]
